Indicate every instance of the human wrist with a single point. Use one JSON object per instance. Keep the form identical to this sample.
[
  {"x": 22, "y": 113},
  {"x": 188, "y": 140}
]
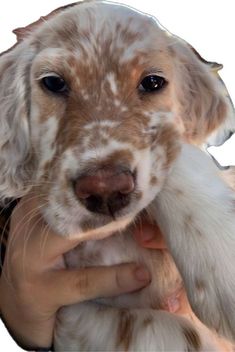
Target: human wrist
[
  {"x": 24, "y": 343},
  {"x": 17, "y": 332}
]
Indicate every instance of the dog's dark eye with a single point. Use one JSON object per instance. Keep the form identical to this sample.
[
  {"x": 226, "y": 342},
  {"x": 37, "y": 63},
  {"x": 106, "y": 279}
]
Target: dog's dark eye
[
  {"x": 55, "y": 84},
  {"x": 152, "y": 83}
]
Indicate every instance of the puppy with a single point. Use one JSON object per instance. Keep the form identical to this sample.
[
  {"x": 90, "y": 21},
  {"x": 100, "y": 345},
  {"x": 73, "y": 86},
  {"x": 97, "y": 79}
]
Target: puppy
[{"x": 100, "y": 108}]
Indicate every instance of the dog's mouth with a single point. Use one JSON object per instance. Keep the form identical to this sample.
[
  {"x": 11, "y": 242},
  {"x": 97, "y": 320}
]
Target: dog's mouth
[
  {"x": 112, "y": 200},
  {"x": 106, "y": 211},
  {"x": 99, "y": 226},
  {"x": 110, "y": 206},
  {"x": 100, "y": 202}
]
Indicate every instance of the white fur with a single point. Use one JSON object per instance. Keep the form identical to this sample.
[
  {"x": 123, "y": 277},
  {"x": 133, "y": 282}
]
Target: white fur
[
  {"x": 113, "y": 85},
  {"x": 192, "y": 205},
  {"x": 209, "y": 240},
  {"x": 205, "y": 254},
  {"x": 163, "y": 334}
]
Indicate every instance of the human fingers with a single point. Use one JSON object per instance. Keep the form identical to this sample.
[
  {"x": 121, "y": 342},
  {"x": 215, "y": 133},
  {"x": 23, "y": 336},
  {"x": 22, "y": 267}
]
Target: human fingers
[
  {"x": 149, "y": 236},
  {"x": 84, "y": 284}
]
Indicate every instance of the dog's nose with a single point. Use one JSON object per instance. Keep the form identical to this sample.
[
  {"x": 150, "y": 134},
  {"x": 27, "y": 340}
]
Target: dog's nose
[{"x": 106, "y": 191}]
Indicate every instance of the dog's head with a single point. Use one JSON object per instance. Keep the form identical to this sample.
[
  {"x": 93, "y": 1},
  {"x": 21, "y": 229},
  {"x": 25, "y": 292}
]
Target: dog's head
[{"x": 94, "y": 101}]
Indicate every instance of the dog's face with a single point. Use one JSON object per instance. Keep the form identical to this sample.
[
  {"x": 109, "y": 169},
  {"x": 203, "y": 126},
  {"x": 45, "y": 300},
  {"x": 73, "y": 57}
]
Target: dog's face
[
  {"x": 102, "y": 116},
  {"x": 106, "y": 96}
]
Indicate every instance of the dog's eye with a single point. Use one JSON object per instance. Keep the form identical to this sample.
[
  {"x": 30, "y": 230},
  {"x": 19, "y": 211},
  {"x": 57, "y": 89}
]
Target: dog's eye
[
  {"x": 55, "y": 84},
  {"x": 152, "y": 83}
]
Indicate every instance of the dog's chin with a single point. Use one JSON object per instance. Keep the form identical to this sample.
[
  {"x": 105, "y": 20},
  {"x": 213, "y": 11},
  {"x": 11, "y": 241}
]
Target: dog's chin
[
  {"x": 99, "y": 227},
  {"x": 75, "y": 223}
]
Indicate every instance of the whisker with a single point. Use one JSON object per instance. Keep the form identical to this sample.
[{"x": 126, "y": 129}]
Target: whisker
[
  {"x": 27, "y": 237},
  {"x": 1, "y": 241},
  {"x": 44, "y": 238},
  {"x": 15, "y": 234},
  {"x": 10, "y": 242}
]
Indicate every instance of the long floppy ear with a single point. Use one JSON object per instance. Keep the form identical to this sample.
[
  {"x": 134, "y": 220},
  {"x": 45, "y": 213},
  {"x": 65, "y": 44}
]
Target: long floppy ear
[
  {"x": 202, "y": 100},
  {"x": 17, "y": 160},
  {"x": 23, "y": 32},
  {"x": 15, "y": 151}
]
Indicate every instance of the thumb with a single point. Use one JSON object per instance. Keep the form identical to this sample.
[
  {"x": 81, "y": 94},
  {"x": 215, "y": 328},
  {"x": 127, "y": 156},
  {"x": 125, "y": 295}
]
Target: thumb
[{"x": 76, "y": 286}]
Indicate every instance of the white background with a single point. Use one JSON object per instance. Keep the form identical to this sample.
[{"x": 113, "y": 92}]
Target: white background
[{"x": 209, "y": 26}]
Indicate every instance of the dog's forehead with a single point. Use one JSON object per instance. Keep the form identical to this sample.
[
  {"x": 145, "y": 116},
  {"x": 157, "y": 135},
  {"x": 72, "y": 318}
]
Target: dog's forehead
[
  {"x": 103, "y": 17},
  {"x": 101, "y": 28}
]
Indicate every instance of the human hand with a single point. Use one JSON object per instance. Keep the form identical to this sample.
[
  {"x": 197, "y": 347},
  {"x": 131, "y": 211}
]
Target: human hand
[
  {"x": 35, "y": 283},
  {"x": 150, "y": 236}
]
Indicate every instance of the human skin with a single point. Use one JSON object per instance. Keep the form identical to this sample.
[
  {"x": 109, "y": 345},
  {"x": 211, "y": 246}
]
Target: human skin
[
  {"x": 150, "y": 236},
  {"x": 35, "y": 283}
]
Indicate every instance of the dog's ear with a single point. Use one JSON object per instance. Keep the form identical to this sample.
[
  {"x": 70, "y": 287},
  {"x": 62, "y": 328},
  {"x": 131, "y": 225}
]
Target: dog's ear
[
  {"x": 203, "y": 103},
  {"x": 16, "y": 154},
  {"x": 15, "y": 151},
  {"x": 23, "y": 32}
]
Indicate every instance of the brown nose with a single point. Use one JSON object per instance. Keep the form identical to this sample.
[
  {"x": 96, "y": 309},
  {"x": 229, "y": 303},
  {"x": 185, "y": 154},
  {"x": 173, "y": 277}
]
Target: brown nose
[{"x": 106, "y": 191}]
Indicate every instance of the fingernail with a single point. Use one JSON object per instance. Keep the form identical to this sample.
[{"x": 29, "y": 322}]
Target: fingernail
[
  {"x": 142, "y": 274},
  {"x": 173, "y": 304}
]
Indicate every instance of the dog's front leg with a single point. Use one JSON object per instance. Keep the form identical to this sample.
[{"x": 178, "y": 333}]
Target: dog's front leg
[
  {"x": 93, "y": 327},
  {"x": 196, "y": 211}
]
